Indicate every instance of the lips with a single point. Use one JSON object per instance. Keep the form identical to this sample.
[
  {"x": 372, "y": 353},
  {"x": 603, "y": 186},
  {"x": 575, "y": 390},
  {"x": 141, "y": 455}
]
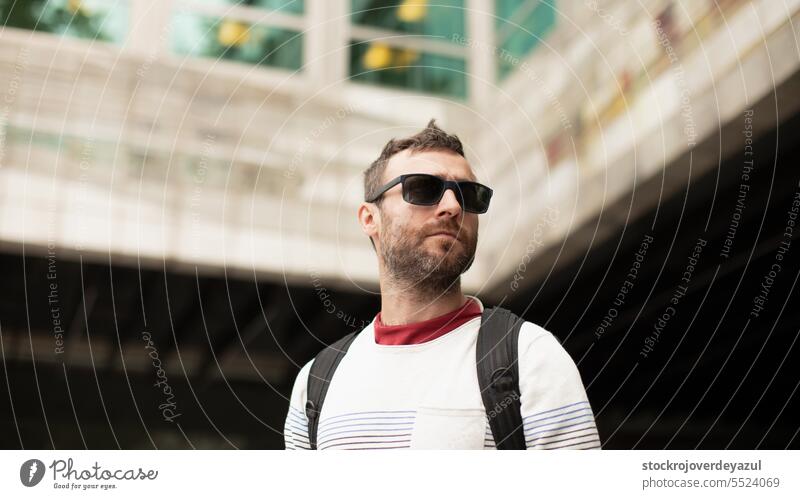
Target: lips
[{"x": 444, "y": 233}]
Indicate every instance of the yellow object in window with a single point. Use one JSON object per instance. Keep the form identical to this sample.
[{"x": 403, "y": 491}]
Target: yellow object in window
[
  {"x": 411, "y": 11},
  {"x": 75, "y": 6},
  {"x": 377, "y": 56},
  {"x": 405, "y": 57},
  {"x": 233, "y": 33}
]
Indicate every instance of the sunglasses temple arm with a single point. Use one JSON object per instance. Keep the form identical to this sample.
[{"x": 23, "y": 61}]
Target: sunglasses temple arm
[{"x": 384, "y": 189}]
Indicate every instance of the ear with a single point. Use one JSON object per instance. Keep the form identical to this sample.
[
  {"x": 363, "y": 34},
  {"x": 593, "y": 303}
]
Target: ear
[{"x": 369, "y": 219}]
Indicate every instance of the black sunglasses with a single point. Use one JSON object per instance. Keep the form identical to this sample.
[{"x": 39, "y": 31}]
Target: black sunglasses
[{"x": 427, "y": 190}]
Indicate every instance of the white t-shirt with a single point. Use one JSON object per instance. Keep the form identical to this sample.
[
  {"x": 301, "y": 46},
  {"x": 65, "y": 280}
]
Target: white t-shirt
[{"x": 426, "y": 396}]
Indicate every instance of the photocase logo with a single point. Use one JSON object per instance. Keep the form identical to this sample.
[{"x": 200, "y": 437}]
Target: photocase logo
[{"x": 31, "y": 472}]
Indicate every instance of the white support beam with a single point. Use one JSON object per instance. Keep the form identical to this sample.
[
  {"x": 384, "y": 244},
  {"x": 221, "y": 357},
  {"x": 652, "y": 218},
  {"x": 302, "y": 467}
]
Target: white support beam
[
  {"x": 149, "y": 27},
  {"x": 481, "y": 60},
  {"x": 326, "y": 39}
]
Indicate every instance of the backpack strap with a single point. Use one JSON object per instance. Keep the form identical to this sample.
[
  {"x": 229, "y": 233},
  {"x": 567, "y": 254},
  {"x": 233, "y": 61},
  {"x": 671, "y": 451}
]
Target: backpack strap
[
  {"x": 319, "y": 379},
  {"x": 498, "y": 376}
]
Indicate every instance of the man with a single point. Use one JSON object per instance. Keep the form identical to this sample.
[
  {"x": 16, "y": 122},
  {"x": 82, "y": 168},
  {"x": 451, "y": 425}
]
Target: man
[{"x": 408, "y": 380}]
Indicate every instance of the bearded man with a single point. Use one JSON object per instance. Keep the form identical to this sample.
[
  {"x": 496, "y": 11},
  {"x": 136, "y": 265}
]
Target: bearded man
[{"x": 409, "y": 379}]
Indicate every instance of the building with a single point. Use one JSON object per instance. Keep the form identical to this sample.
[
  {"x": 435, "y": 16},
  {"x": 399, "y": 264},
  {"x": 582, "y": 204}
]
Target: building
[{"x": 179, "y": 180}]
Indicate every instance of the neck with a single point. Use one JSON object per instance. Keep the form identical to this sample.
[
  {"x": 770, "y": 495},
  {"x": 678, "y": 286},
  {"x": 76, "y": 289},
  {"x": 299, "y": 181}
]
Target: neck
[{"x": 401, "y": 304}]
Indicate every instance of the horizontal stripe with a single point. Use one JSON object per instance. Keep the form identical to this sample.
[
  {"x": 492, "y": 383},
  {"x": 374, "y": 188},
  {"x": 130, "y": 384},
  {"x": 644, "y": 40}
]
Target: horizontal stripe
[
  {"x": 372, "y": 442},
  {"x": 294, "y": 417},
  {"x": 587, "y": 422},
  {"x": 300, "y": 439},
  {"x": 303, "y": 428},
  {"x": 367, "y": 423},
  {"x": 585, "y": 409},
  {"x": 589, "y": 428},
  {"x": 327, "y": 423},
  {"x": 556, "y": 409},
  {"x": 297, "y": 429},
  {"x": 297, "y": 412},
  {"x": 590, "y": 434},
  {"x": 573, "y": 444},
  {"x": 590, "y": 418},
  {"x": 395, "y": 435},
  {"x": 373, "y": 430}
]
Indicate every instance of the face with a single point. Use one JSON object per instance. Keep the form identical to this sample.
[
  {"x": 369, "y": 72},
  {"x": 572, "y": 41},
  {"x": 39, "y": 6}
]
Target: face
[{"x": 409, "y": 237}]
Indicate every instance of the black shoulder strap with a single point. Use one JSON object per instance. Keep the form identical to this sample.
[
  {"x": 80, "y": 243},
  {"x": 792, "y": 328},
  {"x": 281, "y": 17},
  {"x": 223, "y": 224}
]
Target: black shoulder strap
[
  {"x": 319, "y": 379},
  {"x": 498, "y": 376}
]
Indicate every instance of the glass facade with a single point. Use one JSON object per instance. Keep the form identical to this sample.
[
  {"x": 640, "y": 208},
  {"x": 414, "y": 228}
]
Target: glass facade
[
  {"x": 380, "y": 64},
  {"x": 520, "y": 26},
  {"x": 408, "y": 44},
  {"x": 101, "y": 20},
  {"x": 229, "y": 38},
  {"x": 391, "y": 61},
  {"x": 440, "y": 18}
]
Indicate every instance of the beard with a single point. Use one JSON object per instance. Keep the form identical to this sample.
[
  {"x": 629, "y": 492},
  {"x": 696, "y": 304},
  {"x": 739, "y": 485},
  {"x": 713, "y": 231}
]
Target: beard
[{"x": 432, "y": 267}]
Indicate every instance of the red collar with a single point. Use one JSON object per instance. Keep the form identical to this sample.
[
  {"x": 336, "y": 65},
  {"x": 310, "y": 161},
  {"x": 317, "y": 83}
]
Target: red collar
[{"x": 424, "y": 331}]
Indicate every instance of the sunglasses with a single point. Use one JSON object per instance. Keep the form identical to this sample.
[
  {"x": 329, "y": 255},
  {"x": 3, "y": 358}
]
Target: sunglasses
[{"x": 427, "y": 190}]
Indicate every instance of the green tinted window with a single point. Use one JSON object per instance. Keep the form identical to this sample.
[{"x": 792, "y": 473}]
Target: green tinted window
[
  {"x": 103, "y": 20},
  {"x": 520, "y": 26},
  {"x": 395, "y": 62},
  {"x": 377, "y": 63},
  {"x": 422, "y": 17},
  {"x": 227, "y": 38}
]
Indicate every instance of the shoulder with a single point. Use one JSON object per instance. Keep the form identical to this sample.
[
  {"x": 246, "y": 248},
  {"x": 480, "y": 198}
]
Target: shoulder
[
  {"x": 531, "y": 333},
  {"x": 301, "y": 385},
  {"x": 329, "y": 349},
  {"x": 301, "y": 381},
  {"x": 541, "y": 353}
]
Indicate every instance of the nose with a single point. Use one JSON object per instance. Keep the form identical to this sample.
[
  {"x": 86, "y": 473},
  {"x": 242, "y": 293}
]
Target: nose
[{"x": 449, "y": 205}]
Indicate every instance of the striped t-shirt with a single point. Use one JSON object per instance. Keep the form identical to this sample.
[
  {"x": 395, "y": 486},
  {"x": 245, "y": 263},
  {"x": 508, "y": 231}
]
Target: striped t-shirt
[{"x": 426, "y": 396}]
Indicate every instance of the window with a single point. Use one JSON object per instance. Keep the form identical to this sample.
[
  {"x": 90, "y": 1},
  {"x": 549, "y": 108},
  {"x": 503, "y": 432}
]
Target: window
[
  {"x": 102, "y": 20},
  {"x": 241, "y": 30},
  {"x": 520, "y": 26},
  {"x": 438, "y": 18},
  {"x": 409, "y": 44}
]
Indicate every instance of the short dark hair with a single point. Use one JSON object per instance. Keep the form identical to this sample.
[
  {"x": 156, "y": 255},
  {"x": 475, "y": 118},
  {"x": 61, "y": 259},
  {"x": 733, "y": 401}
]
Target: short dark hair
[{"x": 431, "y": 138}]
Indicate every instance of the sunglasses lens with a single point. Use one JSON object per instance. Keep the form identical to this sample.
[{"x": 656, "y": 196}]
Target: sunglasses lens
[
  {"x": 422, "y": 189},
  {"x": 427, "y": 190},
  {"x": 476, "y": 197}
]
